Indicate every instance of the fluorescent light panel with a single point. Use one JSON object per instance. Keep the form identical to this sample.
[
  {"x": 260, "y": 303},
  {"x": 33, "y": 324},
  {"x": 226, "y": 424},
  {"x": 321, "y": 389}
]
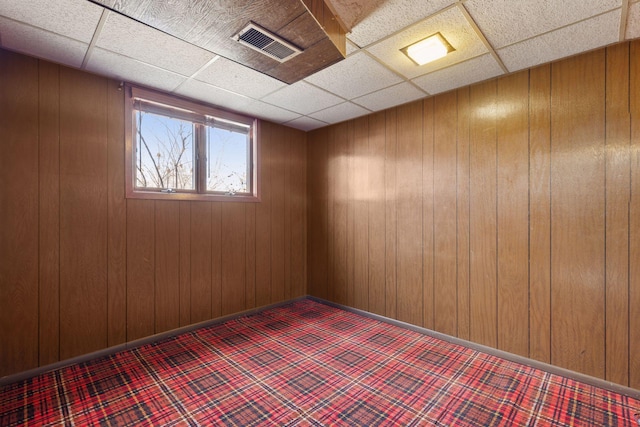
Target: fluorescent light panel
[{"x": 428, "y": 49}]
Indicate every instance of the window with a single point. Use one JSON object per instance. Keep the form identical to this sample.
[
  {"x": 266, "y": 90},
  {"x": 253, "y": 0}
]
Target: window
[{"x": 178, "y": 149}]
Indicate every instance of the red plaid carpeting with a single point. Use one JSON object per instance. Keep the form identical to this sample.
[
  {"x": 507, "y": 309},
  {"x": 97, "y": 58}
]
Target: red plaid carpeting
[{"x": 308, "y": 364}]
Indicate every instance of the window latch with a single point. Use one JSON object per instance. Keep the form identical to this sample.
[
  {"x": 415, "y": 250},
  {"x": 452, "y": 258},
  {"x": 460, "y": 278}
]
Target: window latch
[{"x": 168, "y": 190}]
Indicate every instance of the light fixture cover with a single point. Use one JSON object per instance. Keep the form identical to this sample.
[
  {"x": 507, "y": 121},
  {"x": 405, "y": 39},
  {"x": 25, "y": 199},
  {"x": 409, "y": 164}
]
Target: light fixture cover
[{"x": 428, "y": 49}]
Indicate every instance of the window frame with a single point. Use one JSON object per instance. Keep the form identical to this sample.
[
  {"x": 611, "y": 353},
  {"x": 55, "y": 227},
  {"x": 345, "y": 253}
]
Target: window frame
[{"x": 197, "y": 113}]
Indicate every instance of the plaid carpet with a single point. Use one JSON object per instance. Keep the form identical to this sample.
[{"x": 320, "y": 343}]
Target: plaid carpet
[{"x": 307, "y": 364}]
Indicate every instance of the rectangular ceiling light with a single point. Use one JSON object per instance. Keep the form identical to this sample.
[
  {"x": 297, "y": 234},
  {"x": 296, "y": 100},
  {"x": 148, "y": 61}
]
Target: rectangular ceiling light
[{"x": 428, "y": 50}]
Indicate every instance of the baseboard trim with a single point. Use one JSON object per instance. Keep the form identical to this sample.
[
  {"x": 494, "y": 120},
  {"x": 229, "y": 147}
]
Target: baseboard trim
[
  {"x": 587, "y": 379},
  {"x": 21, "y": 376}
]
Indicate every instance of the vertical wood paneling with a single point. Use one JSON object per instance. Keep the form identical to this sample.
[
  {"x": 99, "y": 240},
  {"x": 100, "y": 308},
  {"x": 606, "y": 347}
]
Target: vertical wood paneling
[
  {"x": 483, "y": 226},
  {"x": 618, "y": 127},
  {"x": 338, "y": 140},
  {"x": 540, "y": 213},
  {"x": 201, "y": 261},
  {"x": 216, "y": 259},
  {"x": 444, "y": 214},
  {"x": 298, "y": 215},
  {"x": 479, "y": 198},
  {"x": 350, "y": 162},
  {"x": 233, "y": 258},
  {"x": 49, "y": 213},
  {"x": 94, "y": 269},
  {"x": 463, "y": 213},
  {"x": 116, "y": 217},
  {"x": 577, "y": 213},
  {"x": 18, "y": 213},
  {"x": 167, "y": 266},
  {"x": 83, "y": 213},
  {"x": 316, "y": 214},
  {"x": 513, "y": 213},
  {"x": 278, "y": 186},
  {"x": 361, "y": 212},
  {"x": 391, "y": 230},
  {"x": 250, "y": 259},
  {"x": 428, "y": 208},
  {"x": 409, "y": 208},
  {"x": 376, "y": 198},
  {"x": 634, "y": 220},
  {"x": 185, "y": 263},
  {"x": 263, "y": 218},
  {"x": 140, "y": 268}
]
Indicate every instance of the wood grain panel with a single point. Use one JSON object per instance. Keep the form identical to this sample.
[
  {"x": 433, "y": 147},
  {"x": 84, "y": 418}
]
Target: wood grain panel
[
  {"x": 233, "y": 257},
  {"x": 618, "y": 190},
  {"x": 278, "y": 190},
  {"x": 361, "y": 212},
  {"x": 167, "y": 265},
  {"x": 298, "y": 215},
  {"x": 216, "y": 259},
  {"x": 250, "y": 258},
  {"x": 263, "y": 218},
  {"x": 634, "y": 219},
  {"x": 428, "y": 208},
  {"x": 19, "y": 213},
  {"x": 287, "y": 211},
  {"x": 185, "y": 263},
  {"x": 483, "y": 226},
  {"x": 409, "y": 211},
  {"x": 201, "y": 259},
  {"x": 350, "y": 163},
  {"x": 513, "y": 213},
  {"x": 83, "y": 213},
  {"x": 316, "y": 214},
  {"x": 463, "y": 214},
  {"x": 116, "y": 217},
  {"x": 49, "y": 213},
  {"x": 444, "y": 213},
  {"x": 577, "y": 213},
  {"x": 333, "y": 289},
  {"x": 391, "y": 214},
  {"x": 540, "y": 213},
  {"x": 339, "y": 164},
  {"x": 376, "y": 197},
  {"x": 140, "y": 268}
]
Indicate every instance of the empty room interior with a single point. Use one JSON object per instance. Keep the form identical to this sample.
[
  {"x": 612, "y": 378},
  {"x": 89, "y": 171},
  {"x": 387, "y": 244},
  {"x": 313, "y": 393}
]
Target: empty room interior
[{"x": 295, "y": 212}]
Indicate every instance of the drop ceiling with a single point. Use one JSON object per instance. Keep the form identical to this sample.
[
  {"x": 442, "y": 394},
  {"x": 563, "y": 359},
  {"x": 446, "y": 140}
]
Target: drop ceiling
[{"x": 491, "y": 38}]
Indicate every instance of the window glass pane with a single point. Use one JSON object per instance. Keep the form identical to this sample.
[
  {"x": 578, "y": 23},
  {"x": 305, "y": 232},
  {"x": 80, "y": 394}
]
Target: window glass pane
[
  {"x": 227, "y": 157},
  {"x": 164, "y": 152}
]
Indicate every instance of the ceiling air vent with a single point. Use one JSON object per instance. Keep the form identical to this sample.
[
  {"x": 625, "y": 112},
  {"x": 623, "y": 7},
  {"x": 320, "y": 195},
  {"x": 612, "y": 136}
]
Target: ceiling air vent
[{"x": 257, "y": 38}]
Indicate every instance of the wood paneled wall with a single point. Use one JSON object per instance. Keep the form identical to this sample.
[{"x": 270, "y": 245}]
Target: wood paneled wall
[
  {"x": 505, "y": 213},
  {"x": 82, "y": 268}
]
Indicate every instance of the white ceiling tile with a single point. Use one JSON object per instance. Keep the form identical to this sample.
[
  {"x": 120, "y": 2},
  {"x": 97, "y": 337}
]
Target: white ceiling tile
[
  {"x": 40, "y": 43},
  {"x": 269, "y": 112},
  {"x": 340, "y": 113},
  {"x": 567, "y": 41},
  {"x": 213, "y": 95},
  {"x": 237, "y": 78},
  {"x": 465, "y": 73},
  {"x": 357, "y": 75},
  {"x": 76, "y": 19},
  {"x": 305, "y": 123},
  {"x": 504, "y": 22},
  {"x": 130, "y": 38},
  {"x": 302, "y": 98},
  {"x": 391, "y": 16},
  {"x": 351, "y": 47},
  {"x": 453, "y": 26},
  {"x": 121, "y": 67},
  {"x": 390, "y": 97},
  {"x": 633, "y": 22}
]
